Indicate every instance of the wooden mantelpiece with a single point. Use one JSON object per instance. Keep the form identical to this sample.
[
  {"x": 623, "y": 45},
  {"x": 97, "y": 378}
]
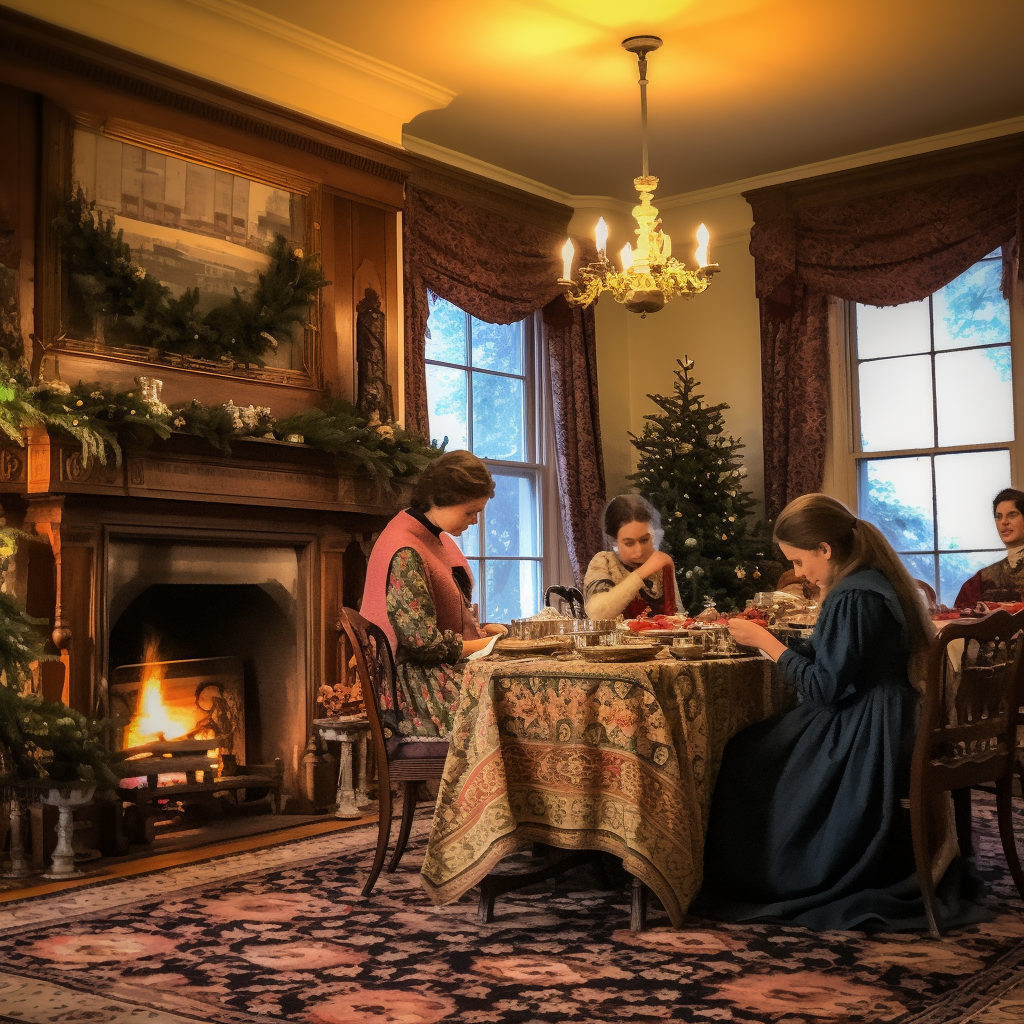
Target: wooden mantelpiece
[
  {"x": 186, "y": 468},
  {"x": 181, "y": 491}
]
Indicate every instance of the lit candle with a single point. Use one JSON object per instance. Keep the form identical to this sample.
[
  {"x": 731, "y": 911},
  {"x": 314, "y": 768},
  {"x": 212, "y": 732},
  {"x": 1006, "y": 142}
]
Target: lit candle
[
  {"x": 666, "y": 245},
  {"x": 703, "y": 244},
  {"x": 567, "y": 254},
  {"x": 626, "y": 255},
  {"x": 601, "y": 237}
]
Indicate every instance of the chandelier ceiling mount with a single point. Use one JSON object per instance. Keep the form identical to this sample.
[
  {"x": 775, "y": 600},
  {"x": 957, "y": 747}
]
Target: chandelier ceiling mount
[{"x": 650, "y": 274}]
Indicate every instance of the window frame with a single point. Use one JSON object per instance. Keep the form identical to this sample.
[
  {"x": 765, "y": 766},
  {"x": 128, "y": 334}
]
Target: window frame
[
  {"x": 843, "y": 451},
  {"x": 538, "y": 446}
]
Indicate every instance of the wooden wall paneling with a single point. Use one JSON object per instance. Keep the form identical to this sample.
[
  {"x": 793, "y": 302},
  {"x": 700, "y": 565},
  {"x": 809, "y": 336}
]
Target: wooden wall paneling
[
  {"x": 78, "y": 586},
  {"x": 328, "y": 326},
  {"x": 55, "y": 177},
  {"x": 393, "y": 308},
  {"x": 343, "y": 298},
  {"x": 333, "y": 577},
  {"x": 19, "y": 123}
]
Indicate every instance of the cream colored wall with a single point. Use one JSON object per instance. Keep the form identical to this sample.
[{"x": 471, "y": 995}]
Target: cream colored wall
[{"x": 718, "y": 330}]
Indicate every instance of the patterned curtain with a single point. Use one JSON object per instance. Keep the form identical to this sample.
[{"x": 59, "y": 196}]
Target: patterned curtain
[
  {"x": 500, "y": 270},
  {"x": 880, "y": 237}
]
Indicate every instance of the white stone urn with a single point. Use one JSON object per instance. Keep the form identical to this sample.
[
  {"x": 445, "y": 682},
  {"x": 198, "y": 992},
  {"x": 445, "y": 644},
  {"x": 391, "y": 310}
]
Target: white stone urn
[{"x": 65, "y": 796}]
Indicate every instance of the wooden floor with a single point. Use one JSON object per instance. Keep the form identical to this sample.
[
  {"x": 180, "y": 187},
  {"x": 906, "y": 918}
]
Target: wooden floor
[{"x": 138, "y": 864}]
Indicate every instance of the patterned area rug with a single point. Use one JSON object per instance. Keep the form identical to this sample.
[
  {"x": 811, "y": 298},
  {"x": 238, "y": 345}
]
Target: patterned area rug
[{"x": 283, "y": 934}]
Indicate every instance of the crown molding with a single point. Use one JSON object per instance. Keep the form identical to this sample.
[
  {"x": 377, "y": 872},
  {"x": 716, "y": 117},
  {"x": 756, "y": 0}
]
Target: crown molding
[
  {"x": 257, "y": 54},
  {"x": 978, "y": 133}
]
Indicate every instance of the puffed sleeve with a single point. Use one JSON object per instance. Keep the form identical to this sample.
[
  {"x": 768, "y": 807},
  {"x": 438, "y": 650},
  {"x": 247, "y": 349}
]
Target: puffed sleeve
[
  {"x": 412, "y": 615},
  {"x": 838, "y": 662}
]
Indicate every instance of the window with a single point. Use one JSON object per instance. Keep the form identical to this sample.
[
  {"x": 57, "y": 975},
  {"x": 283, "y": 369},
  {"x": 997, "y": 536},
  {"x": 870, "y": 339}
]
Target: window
[
  {"x": 934, "y": 424},
  {"x": 481, "y": 395}
]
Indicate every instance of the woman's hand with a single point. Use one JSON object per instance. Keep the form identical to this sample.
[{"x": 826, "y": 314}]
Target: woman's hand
[
  {"x": 472, "y": 646},
  {"x": 750, "y": 634},
  {"x": 658, "y": 561},
  {"x": 493, "y": 629}
]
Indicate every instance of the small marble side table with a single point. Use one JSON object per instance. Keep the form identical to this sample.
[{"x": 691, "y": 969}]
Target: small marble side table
[{"x": 348, "y": 730}]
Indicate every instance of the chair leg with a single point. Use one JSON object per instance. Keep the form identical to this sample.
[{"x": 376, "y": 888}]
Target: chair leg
[
  {"x": 923, "y": 862},
  {"x": 383, "y": 832},
  {"x": 963, "y": 818},
  {"x": 1004, "y": 807},
  {"x": 408, "y": 810}
]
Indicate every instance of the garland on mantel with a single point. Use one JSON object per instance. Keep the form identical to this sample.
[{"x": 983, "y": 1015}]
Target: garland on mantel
[
  {"x": 100, "y": 419},
  {"x": 106, "y": 285}
]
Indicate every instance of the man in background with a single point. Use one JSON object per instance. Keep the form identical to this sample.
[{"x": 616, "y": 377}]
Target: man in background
[{"x": 1004, "y": 580}]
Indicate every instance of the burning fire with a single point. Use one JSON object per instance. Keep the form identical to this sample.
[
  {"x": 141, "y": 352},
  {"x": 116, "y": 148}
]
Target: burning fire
[{"x": 155, "y": 719}]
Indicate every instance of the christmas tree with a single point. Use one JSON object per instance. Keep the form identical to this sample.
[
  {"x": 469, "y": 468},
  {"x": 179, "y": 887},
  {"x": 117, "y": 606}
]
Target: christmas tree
[{"x": 691, "y": 472}]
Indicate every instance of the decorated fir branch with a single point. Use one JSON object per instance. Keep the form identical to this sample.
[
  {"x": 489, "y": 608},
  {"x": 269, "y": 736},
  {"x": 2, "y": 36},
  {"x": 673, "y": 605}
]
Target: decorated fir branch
[
  {"x": 691, "y": 471},
  {"x": 106, "y": 284},
  {"x": 101, "y": 419}
]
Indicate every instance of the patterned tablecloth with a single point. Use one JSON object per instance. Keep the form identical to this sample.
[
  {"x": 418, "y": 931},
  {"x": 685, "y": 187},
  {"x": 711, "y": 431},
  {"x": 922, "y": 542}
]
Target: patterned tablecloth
[{"x": 620, "y": 758}]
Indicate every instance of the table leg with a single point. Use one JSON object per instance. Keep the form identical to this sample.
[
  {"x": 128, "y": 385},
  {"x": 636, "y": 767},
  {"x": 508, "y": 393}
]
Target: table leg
[
  {"x": 362, "y": 789},
  {"x": 346, "y": 795},
  {"x": 19, "y": 862},
  {"x": 638, "y": 907}
]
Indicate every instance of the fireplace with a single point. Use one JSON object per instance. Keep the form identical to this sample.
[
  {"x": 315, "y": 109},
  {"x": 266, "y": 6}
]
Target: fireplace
[
  {"x": 186, "y": 603},
  {"x": 241, "y": 560}
]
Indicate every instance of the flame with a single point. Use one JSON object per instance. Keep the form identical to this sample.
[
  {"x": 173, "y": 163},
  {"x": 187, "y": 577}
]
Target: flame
[
  {"x": 601, "y": 236},
  {"x": 154, "y": 719},
  {"x": 703, "y": 244}
]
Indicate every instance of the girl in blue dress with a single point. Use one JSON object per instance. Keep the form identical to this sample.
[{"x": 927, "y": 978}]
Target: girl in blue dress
[{"x": 806, "y": 822}]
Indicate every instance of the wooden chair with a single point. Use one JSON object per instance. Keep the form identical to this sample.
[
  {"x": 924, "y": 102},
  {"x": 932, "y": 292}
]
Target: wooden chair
[
  {"x": 968, "y": 735},
  {"x": 406, "y": 764}
]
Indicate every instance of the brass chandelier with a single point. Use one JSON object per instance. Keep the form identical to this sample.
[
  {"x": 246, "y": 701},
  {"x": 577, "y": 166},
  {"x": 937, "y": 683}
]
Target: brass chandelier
[{"x": 650, "y": 274}]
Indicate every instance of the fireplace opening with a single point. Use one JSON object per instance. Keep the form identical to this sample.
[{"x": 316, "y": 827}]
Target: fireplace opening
[{"x": 222, "y": 624}]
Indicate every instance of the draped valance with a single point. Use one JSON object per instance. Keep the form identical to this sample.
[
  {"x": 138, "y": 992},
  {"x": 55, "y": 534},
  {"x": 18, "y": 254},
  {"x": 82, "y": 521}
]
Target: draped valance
[
  {"x": 501, "y": 268},
  {"x": 881, "y": 235}
]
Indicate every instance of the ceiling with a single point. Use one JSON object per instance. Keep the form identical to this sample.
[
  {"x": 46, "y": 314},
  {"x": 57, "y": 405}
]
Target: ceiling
[{"x": 741, "y": 87}]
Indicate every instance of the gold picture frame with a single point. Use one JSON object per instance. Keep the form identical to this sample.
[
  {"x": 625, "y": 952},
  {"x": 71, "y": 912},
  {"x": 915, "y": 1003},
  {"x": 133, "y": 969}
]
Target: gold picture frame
[{"x": 195, "y": 215}]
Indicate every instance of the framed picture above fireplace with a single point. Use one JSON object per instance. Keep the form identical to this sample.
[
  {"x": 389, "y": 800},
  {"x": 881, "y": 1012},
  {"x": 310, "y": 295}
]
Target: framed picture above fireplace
[{"x": 177, "y": 253}]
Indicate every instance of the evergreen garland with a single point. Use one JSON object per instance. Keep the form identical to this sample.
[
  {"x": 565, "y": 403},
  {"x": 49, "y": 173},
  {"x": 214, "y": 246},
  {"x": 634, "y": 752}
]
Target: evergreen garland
[
  {"x": 691, "y": 471},
  {"x": 101, "y": 419},
  {"x": 106, "y": 284}
]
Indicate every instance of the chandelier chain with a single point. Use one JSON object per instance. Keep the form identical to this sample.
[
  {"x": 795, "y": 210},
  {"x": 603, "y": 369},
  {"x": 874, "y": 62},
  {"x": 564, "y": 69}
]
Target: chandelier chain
[{"x": 642, "y": 61}]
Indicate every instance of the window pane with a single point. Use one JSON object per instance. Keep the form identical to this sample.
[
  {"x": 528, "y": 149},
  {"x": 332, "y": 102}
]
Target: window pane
[
  {"x": 513, "y": 589},
  {"x": 896, "y": 495},
  {"x": 474, "y": 568},
  {"x": 446, "y": 331},
  {"x": 447, "y": 403},
  {"x": 961, "y": 378},
  {"x": 971, "y": 310},
  {"x": 499, "y": 417},
  {"x": 498, "y": 346},
  {"x": 511, "y": 516},
  {"x": 469, "y": 541},
  {"x": 965, "y": 485},
  {"x": 892, "y": 330},
  {"x": 956, "y": 570},
  {"x": 921, "y": 567},
  {"x": 896, "y": 404}
]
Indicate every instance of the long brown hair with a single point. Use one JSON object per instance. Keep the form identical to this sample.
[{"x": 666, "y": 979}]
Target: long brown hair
[{"x": 814, "y": 519}]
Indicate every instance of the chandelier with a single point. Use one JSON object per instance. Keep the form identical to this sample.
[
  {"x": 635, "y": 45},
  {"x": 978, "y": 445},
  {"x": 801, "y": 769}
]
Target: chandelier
[{"x": 650, "y": 274}]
